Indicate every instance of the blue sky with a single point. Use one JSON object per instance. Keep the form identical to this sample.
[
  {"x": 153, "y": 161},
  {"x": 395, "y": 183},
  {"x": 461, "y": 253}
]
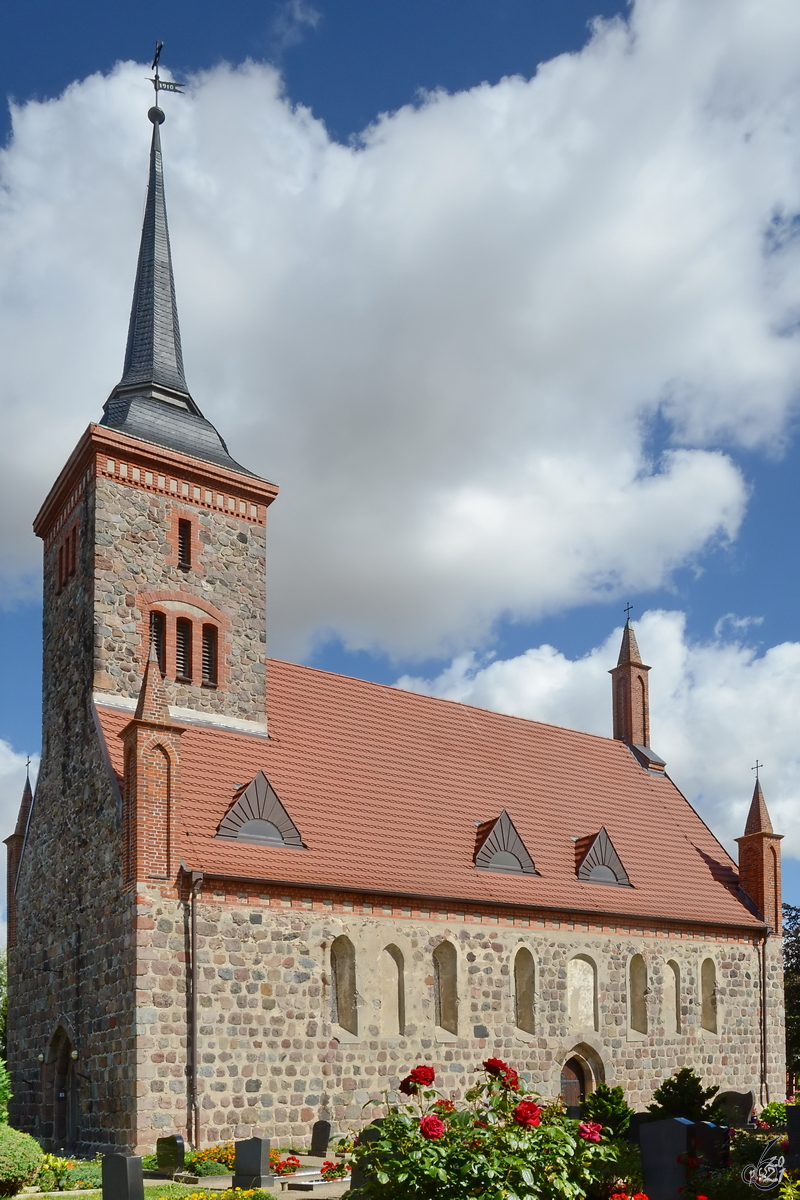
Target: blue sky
[{"x": 720, "y": 553}]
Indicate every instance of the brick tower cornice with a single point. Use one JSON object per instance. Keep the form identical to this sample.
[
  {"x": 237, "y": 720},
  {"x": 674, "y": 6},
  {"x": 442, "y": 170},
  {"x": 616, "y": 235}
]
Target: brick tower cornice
[{"x": 106, "y": 452}]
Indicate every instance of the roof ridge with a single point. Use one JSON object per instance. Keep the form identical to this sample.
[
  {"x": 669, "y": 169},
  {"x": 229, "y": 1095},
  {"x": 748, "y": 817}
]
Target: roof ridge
[{"x": 492, "y": 712}]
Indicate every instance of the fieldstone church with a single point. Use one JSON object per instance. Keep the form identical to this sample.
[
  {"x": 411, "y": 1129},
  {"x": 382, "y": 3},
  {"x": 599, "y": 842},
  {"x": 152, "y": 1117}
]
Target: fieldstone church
[{"x": 248, "y": 894}]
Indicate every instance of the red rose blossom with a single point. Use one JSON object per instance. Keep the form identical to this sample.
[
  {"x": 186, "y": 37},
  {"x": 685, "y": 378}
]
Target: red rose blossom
[
  {"x": 432, "y": 1128},
  {"x": 495, "y": 1066},
  {"x": 501, "y": 1070},
  {"x": 528, "y": 1113},
  {"x": 420, "y": 1077},
  {"x": 444, "y": 1106},
  {"x": 590, "y": 1131}
]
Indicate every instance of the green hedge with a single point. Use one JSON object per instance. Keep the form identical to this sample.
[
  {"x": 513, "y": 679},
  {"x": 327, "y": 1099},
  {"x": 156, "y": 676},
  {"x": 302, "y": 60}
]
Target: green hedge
[{"x": 20, "y": 1159}]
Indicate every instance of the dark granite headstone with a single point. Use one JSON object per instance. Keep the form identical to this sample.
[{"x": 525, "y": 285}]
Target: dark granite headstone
[
  {"x": 637, "y": 1120},
  {"x": 793, "y": 1128},
  {"x": 251, "y": 1164},
  {"x": 170, "y": 1152},
  {"x": 362, "y": 1170},
  {"x": 711, "y": 1143},
  {"x": 320, "y": 1138},
  {"x": 663, "y": 1144},
  {"x": 736, "y": 1108},
  {"x": 122, "y": 1177}
]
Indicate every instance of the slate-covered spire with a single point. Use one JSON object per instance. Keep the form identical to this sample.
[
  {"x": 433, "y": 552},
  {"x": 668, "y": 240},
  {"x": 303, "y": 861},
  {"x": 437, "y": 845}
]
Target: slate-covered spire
[
  {"x": 152, "y": 400},
  {"x": 153, "y": 357}
]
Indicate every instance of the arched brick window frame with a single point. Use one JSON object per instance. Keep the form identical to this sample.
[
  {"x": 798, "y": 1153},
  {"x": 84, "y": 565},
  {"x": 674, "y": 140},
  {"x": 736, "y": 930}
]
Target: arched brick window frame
[{"x": 179, "y": 606}]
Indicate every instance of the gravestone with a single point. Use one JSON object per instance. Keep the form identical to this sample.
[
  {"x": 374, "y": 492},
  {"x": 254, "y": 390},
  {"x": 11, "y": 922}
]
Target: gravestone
[
  {"x": 736, "y": 1108},
  {"x": 793, "y": 1127},
  {"x": 320, "y": 1138},
  {"x": 663, "y": 1143},
  {"x": 170, "y": 1153},
  {"x": 711, "y": 1143},
  {"x": 122, "y": 1177},
  {"x": 362, "y": 1171},
  {"x": 637, "y": 1120},
  {"x": 251, "y": 1164}
]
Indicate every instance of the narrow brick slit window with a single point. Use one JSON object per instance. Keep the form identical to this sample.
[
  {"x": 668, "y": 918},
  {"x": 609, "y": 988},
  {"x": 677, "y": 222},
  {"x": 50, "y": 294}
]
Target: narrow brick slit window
[
  {"x": 183, "y": 650},
  {"x": 158, "y": 638},
  {"x": 209, "y": 656},
  {"x": 185, "y": 544}
]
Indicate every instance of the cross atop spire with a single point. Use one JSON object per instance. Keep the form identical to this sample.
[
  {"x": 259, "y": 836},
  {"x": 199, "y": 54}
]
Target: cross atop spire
[{"x": 152, "y": 399}]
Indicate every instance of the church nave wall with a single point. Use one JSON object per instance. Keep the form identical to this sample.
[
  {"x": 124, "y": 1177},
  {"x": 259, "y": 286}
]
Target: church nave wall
[{"x": 307, "y": 1014}]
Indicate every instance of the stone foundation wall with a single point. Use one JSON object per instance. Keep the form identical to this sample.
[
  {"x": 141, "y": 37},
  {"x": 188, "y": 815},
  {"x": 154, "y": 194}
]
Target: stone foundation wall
[{"x": 272, "y": 1061}]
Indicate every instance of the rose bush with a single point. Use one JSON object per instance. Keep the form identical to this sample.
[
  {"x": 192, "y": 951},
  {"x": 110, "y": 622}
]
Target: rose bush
[{"x": 499, "y": 1143}]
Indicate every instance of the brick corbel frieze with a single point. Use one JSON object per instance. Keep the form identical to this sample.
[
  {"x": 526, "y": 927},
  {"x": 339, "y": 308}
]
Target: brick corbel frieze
[{"x": 151, "y": 800}]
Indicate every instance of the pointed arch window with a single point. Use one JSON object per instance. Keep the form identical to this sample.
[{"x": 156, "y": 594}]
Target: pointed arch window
[
  {"x": 637, "y": 994},
  {"x": 343, "y": 972},
  {"x": 524, "y": 990},
  {"x": 708, "y": 999},
  {"x": 582, "y": 992},
  {"x": 393, "y": 1002},
  {"x": 672, "y": 997},
  {"x": 445, "y": 984}
]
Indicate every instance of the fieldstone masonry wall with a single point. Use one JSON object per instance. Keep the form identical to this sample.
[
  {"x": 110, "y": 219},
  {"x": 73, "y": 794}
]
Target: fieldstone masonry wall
[
  {"x": 136, "y": 569},
  {"x": 271, "y": 1061},
  {"x": 75, "y": 942}
]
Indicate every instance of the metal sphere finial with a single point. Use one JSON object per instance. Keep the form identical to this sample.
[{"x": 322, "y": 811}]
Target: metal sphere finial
[{"x": 156, "y": 115}]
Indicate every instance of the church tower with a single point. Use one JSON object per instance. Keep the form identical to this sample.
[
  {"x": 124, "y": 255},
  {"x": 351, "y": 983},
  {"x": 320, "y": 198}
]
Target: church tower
[
  {"x": 153, "y": 530},
  {"x": 154, "y": 571}
]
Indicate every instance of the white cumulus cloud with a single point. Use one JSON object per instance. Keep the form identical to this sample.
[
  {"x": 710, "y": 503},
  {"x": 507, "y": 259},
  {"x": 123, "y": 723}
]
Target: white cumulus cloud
[
  {"x": 447, "y": 342},
  {"x": 715, "y": 707}
]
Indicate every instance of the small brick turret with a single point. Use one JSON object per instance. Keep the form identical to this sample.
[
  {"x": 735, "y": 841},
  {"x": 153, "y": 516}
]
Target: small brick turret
[
  {"x": 152, "y": 763},
  {"x": 760, "y": 861},
  {"x": 14, "y": 845}
]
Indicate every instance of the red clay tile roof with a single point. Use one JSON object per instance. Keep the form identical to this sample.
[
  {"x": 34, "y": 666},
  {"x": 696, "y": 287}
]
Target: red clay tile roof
[{"x": 386, "y": 788}]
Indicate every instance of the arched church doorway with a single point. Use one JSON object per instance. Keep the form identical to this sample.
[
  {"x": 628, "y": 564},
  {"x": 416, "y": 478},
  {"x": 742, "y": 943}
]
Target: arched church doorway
[
  {"x": 64, "y": 1095},
  {"x": 574, "y": 1085}
]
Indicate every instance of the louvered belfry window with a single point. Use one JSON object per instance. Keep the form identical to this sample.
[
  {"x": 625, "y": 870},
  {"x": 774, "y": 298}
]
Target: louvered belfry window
[
  {"x": 210, "y": 655},
  {"x": 183, "y": 649},
  {"x": 184, "y": 544},
  {"x": 158, "y": 636}
]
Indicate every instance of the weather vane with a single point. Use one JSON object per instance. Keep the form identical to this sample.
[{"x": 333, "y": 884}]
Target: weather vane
[
  {"x": 756, "y": 768},
  {"x": 628, "y": 609},
  {"x": 162, "y": 85}
]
